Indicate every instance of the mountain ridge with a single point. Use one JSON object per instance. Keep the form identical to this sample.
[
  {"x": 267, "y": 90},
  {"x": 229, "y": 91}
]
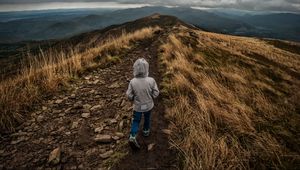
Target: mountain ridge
[
  {"x": 208, "y": 20},
  {"x": 227, "y": 102}
]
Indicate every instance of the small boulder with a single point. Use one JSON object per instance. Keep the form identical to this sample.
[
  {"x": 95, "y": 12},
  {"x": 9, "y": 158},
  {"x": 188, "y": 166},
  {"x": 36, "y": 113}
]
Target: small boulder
[
  {"x": 119, "y": 134},
  {"x": 78, "y": 105},
  {"x": 54, "y": 156},
  {"x": 96, "y": 81},
  {"x": 87, "y": 106},
  {"x": 121, "y": 125},
  {"x": 40, "y": 118},
  {"x": 92, "y": 91},
  {"x": 106, "y": 154},
  {"x": 150, "y": 146},
  {"x": 73, "y": 96},
  {"x": 74, "y": 125},
  {"x": 114, "y": 85},
  {"x": 98, "y": 129},
  {"x": 112, "y": 121},
  {"x": 96, "y": 107},
  {"x": 167, "y": 131},
  {"x": 59, "y": 101},
  {"x": 115, "y": 137},
  {"x": 85, "y": 115},
  {"x": 103, "y": 138},
  {"x": 68, "y": 110}
]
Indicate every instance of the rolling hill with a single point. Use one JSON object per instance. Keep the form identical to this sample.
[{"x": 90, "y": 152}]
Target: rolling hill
[{"x": 45, "y": 25}]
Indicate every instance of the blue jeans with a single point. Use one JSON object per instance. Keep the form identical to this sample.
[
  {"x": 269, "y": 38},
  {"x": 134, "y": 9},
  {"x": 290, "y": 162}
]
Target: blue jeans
[{"x": 137, "y": 116}]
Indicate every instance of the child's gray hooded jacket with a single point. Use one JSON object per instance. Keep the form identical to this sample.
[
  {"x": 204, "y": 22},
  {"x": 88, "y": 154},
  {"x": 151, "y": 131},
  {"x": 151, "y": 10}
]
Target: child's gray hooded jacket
[{"x": 142, "y": 89}]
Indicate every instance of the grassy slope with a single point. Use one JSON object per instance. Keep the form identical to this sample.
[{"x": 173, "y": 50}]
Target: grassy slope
[
  {"x": 49, "y": 70},
  {"x": 233, "y": 100}
]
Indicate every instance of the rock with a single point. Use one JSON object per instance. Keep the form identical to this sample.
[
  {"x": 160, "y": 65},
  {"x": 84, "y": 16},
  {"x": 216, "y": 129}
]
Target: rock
[
  {"x": 44, "y": 108},
  {"x": 54, "y": 157},
  {"x": 20, "y": 139},
  {"x": 96, "y": 81},
  {"x": 97, "y": 107},
  {"x": 114, "y": 85},
  {"x": 121, "y": 125},
  {"x": 119, "y": 134},
  {"x": 115, "y": 137},
  {"x": 117, "y": 102},
  {"x": 112, "y": 121},
  {"x": 68, "y": 110},
  {"x": 61, "y": 114},
  {"x": 122, "y": 103},
  {"x": 98, "y": 129},
  {"x": 40, "y": 118},
  {"x": 20, "y": 133},
  {"x": 103, "y": 138},
  {"x": 55, "y": 111},
  {"x": 73, "y": 96},
  {"x": 91, "y": 152},
  {"x": 87, "y": 77},
  {"x": 59, "y": 101},
  {"x": 78, "y": 105},
  {"x": 150, "y": 146},
  {"x": 92, "y": 91},
  {"x": 68, "y": 133},
  {"x": 85, "y": 115},
  {"x": 87, "y": 106},
  {"x": 74, "y": 125},
  {"x": 106, "y": 154},
  {"x": 61, "y": 129},
  {"x": 85, "y": 111},
  {"x": 167, "y": 131}
]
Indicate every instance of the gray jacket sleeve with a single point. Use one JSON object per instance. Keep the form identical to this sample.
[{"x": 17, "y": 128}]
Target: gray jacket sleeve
[
  {"x": 129, "y": 92},
  {"x": 155, "y": 91}
]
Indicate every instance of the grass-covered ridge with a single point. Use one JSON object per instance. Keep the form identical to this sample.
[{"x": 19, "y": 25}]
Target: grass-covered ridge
[
  {"x": 49, "y": 70},
  {"x": 233, "y": 101}
]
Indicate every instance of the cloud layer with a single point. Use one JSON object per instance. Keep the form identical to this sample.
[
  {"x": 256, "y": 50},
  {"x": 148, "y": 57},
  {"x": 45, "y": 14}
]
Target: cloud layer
[{"x": 257, "y": 5}]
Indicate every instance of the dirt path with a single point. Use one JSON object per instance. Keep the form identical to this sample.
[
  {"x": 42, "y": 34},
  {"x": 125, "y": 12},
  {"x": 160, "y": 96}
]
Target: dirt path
[
  {"x": 87, "y": 126},
  {"x": 161, "y": 156}
]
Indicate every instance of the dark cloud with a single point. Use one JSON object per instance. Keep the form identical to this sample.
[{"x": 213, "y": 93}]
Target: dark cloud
[{"x": 257, "y": 5}]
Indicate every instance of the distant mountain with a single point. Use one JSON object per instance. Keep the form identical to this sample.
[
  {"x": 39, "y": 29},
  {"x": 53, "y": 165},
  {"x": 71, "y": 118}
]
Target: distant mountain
[
  {"x": 284, "y": 25},
  {"x": 57, "y": 25}
]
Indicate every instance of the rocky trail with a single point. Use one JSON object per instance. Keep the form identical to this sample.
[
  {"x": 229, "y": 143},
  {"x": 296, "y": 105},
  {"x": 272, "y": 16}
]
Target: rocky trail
[{"x": 87, "y": 125}]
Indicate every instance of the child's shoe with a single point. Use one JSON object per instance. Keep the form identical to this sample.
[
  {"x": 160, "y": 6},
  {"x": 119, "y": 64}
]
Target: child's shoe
[
  {"x": 146, "y": 133},
  {"x": 133, "y": 142}
]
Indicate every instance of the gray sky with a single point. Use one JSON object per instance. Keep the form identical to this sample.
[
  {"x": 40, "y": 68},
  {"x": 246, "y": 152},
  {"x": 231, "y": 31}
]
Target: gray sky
[{"x": 257, "y": 5}]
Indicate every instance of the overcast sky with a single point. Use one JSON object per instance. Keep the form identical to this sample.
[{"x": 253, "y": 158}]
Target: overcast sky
[{"x": 257, "y": 5}]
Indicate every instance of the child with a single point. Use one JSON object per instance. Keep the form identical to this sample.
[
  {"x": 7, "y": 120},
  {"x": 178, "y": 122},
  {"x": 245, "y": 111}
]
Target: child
[{"x": 141, "y": 90}]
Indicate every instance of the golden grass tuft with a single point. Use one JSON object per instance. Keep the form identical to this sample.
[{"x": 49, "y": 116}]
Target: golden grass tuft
[
  {"x": 223, "y": 112},
  {"x": 49, "y": 70}
]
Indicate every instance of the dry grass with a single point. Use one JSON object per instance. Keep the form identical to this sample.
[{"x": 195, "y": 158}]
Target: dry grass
[
  {"x": 49, "y": 70},
  {"x": 224, "y": 108}
]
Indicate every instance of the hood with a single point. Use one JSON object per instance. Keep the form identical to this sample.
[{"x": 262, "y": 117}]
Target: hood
[{"x": 140, "y": 68}]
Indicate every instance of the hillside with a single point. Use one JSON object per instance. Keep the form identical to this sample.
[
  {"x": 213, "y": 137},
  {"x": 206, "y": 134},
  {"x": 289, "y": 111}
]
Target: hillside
[
  {"x": 226, "y": 102},
  {"x": 45, "y": 25}
]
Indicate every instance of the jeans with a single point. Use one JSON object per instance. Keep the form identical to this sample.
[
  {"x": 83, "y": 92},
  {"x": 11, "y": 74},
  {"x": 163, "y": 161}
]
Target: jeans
[{"x": 137, "y": 116}]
